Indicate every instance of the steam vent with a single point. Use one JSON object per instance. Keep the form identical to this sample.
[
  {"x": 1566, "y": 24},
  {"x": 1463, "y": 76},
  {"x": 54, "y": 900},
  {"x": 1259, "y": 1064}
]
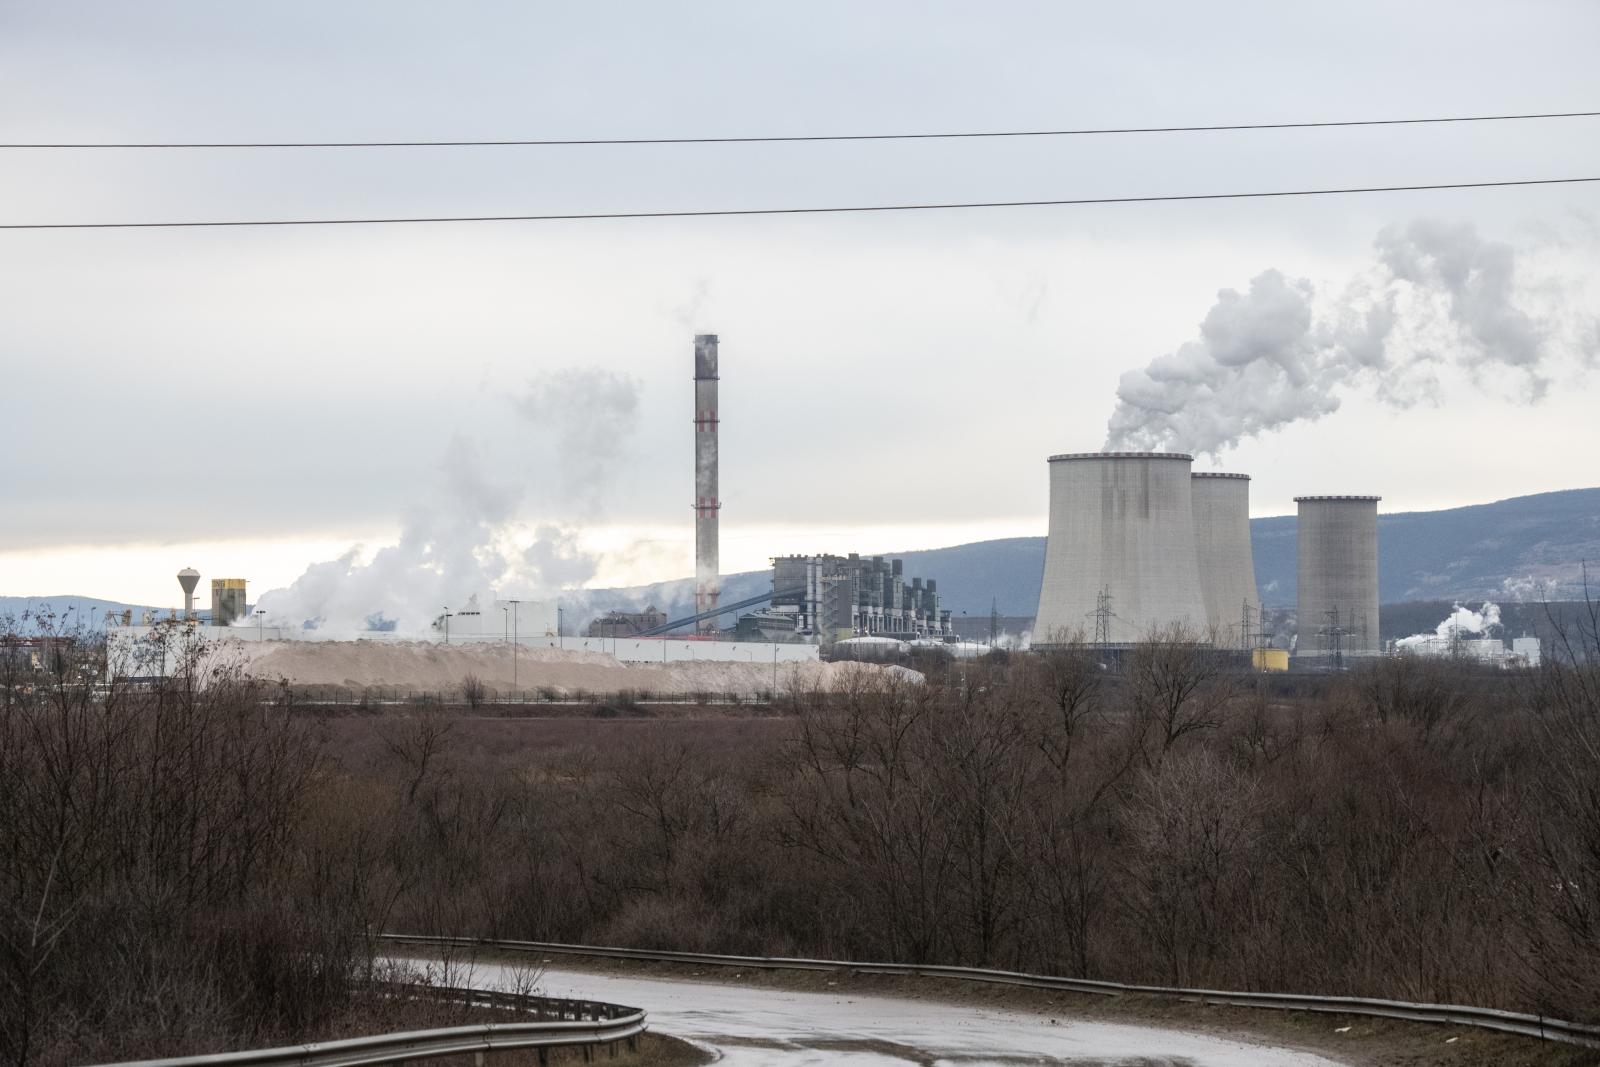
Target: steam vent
[
  {"x": 1120, "y": 563},
  {"x": 1227, "y": 565},
  {"x": 1337, "y": 578}
]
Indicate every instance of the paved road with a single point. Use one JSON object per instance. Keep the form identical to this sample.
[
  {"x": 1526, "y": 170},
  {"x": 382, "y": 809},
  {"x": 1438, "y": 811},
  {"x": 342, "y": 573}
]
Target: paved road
[{"x": 749, "y": 1026}]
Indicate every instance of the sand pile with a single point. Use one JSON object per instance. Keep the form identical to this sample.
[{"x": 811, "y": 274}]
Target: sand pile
[{"x": 425, "y": 666}]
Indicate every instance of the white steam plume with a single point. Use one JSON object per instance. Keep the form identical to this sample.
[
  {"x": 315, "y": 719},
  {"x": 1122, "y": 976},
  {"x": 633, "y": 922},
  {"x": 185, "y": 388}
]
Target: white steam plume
[
  {"x": 1438, "y": 295},
  {"x": 465, "y": 537},
  {"x": 1460, "y": 622}
]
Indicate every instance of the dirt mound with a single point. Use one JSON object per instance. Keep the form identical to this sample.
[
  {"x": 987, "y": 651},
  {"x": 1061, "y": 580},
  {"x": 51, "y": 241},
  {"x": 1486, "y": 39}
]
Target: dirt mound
[{"x": 426, "y": 666}]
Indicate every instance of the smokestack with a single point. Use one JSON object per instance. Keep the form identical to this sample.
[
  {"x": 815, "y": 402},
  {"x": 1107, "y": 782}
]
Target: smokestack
[
  {"x": 188, "y": 578},
  {"x": 1337, "y": 578},
  {"x": 1227, "y": 565},
  {"x": 1120, "y": 562},
  {"x": 707, "y": 576}
]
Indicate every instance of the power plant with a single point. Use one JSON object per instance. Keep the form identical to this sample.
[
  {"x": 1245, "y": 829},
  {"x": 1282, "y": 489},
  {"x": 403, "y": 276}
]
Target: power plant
[
  {"x": 1140, "y": 547},
  {"x": 1337, "y": 578},
  {"x": 1120, "y": 564}
]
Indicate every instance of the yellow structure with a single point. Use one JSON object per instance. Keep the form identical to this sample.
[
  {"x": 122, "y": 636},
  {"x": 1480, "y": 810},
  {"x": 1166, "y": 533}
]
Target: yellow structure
[
  {"x": 227, "y": 601},
  {"x": 1270, "y": 659}
]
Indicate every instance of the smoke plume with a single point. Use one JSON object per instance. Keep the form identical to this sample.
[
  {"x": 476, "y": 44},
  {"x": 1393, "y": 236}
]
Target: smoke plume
[
  {"x": 1437, "y": 296},
  {"x": 1459, "y": 623},
  {"x": 465, "y": 537}
]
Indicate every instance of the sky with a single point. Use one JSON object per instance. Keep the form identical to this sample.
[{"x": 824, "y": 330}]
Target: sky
[{"x": 250, "y": 402}]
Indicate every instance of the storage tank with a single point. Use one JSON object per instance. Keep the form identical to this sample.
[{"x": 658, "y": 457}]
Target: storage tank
[
  {"x": 1222, "y": 549},
  {"x": 1120, "y": 560},
  {"x": 1337, "y": 603}
]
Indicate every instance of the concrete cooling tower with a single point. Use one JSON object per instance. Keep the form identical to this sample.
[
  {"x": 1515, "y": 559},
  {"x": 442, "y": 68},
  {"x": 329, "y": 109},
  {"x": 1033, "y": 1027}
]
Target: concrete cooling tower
[
  {"x": 1338, "y": 578},
  {"x": 1120, "y": 560},
  {"x": 1222, "y": 548}
]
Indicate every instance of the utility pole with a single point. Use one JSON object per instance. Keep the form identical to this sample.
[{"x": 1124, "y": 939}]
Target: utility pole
[
  {"x": 447, "y": 624},
  {"x": 994, "y": 621}
]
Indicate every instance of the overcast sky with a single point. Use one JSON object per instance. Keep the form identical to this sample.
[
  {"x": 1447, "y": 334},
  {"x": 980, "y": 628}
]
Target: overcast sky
[{"x": 251, "y": 401}]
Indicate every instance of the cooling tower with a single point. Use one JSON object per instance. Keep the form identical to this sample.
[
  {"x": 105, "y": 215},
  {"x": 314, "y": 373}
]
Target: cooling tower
[
  {"x": 1337, "y": 577},
  {"x": 1222, "y": 549},
  {"x": 1120, "y": 560}
]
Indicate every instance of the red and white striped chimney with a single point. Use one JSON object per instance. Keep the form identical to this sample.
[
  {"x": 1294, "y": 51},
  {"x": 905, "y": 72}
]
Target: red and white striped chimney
[{"x": 707, "y": 573}]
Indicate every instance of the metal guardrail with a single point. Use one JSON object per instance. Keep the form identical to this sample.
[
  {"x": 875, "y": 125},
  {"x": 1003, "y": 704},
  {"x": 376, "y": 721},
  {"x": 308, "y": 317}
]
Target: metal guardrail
[
  {"x": 1512, "y": 1022},
  {"x": 561, "y": 1023}
]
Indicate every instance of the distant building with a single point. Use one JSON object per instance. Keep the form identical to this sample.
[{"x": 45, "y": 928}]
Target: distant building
[
  {"x": 837, "y": 597},
  {"x": 766, "y": 626},
  {"x": 627, "y": 623},
  {"x": 502, "y": 620},
  {"x": 227, "y": 601}
]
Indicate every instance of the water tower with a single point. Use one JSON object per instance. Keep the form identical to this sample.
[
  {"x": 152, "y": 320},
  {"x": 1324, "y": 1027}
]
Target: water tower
[{"x": 189, "y": 578}]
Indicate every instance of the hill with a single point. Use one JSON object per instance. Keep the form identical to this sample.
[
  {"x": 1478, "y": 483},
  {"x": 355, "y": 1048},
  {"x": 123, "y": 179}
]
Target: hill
[{"x": 1523, "y": 548}]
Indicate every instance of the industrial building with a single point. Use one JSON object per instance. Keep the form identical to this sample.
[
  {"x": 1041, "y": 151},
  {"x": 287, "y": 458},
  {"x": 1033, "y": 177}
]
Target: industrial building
[
  {"x": 228, "y": 601},
  {"x": 626, "y": 623},
  {"x": 1337, "y": 573},
  {"x": 837, "y": 597},
  {"x": 1120, "y": 561}
]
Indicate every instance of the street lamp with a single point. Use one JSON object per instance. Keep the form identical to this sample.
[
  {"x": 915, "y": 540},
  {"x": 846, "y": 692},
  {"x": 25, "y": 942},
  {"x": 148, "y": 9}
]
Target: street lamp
[
  {"x": 260, "y": 625},
  {"x": 447, "y": 624}
]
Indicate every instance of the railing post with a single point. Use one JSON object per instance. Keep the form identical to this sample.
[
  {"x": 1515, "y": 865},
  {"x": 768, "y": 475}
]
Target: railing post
[{"x": 477, "y": 1058}]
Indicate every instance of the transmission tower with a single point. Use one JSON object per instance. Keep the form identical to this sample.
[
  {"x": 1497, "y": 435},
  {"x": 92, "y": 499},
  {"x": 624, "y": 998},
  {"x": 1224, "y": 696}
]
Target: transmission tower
[
  {"x": 1103, "y": 615},
  {"x": 1333, "y": 636}
]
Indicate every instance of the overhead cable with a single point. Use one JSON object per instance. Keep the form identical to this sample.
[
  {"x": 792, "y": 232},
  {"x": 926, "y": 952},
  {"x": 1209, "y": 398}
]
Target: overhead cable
[
  {"x": 803, "y": 138},
  {"x": 735, "y": 212}
]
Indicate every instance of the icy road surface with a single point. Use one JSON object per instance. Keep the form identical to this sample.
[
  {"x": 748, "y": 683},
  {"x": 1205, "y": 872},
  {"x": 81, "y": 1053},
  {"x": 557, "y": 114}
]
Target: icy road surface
[{"x": 752, "y": 1026}]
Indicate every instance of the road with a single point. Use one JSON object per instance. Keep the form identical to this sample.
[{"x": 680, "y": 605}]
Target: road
[{"x": 762, "y": 1027}]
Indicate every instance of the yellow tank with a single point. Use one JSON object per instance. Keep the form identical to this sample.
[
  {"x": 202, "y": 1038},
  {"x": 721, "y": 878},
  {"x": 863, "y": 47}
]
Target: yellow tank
[{"x": 1270, "y": 659}]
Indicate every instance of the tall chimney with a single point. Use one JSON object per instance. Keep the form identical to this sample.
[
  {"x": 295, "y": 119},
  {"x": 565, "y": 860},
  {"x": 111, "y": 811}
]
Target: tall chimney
[{"x": 707, "y": 577}]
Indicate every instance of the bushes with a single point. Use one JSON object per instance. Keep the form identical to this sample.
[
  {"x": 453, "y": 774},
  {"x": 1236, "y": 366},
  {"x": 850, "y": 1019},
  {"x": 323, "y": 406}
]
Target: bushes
[
  {"x": 189, "y": 866},
  {"x": 152, "y": 872}
]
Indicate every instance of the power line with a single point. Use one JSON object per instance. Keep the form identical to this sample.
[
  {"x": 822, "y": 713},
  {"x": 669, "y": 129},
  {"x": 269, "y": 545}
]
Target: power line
[
  {"x": 729, "y": 212},
  {"x": 800, "y": 138}
]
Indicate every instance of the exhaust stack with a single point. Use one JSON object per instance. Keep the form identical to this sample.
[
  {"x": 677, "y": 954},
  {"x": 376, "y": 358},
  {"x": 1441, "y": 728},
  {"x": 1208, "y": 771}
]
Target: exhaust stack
[{"x": 707, "y": 576}]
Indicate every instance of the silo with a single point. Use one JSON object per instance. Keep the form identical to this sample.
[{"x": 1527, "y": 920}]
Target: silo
[
  {"x": 1337, "y": 602},
  {"x": 1222, "y": 548},
  {"x": 1120, "y": 560}
]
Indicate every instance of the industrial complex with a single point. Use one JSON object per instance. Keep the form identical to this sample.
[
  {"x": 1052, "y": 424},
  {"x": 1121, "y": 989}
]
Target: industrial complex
[{"x": 1140, "y": 547}]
